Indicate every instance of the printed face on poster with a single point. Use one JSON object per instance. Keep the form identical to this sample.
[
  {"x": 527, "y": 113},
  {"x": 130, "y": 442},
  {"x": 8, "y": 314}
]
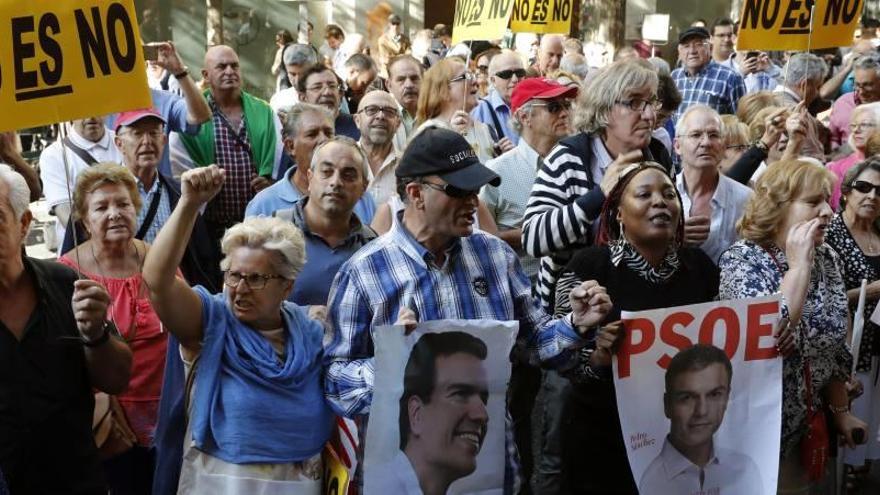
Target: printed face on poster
[
  {"x": 439, "y": 407},
  {"x": 699, "y": 391}
]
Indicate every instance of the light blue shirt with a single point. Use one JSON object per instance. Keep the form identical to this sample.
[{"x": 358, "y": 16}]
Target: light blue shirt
[
  {"x": 173, "y": 109},
  {"x": 728, "y": 204},
  {"x": 507, "y": 202},
  {"x": 483, "y": 113},
  {"x": 282, "y": 195}
]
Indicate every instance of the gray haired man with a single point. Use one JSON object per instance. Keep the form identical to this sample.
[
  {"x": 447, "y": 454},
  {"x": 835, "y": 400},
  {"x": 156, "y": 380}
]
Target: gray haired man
[{"x": 295, "y": 58}]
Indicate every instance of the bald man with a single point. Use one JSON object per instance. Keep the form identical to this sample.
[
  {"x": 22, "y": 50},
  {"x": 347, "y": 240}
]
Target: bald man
[
  {"x": 243, "y": 137},
  {"x": 505, "y": 71},
  {"x": 378, "y": 119},
  {"x": 549, "y": 53}
]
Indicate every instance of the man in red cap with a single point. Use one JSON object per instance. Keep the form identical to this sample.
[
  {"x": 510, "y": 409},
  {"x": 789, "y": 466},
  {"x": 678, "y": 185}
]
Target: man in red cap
[{"x": 541, "y": 115}]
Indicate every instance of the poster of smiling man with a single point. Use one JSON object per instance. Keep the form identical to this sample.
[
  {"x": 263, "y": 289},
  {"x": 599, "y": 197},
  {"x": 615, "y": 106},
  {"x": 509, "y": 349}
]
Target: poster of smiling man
[
  {"x": 438, "y": 413},
  {"x": 699, "y": 390}
]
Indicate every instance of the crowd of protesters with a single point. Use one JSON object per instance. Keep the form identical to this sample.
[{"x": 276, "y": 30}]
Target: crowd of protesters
[{"x": 223, "y": 261}]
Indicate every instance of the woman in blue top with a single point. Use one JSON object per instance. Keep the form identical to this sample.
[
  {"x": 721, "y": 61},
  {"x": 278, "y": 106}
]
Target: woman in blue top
[{"x": 257, "y": 417}]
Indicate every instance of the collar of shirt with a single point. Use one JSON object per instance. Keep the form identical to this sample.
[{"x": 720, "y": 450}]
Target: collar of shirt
[
  {"x": 719, "y": 197},
  {"x": 143, "y": 190},
  {"x": 387, "y": 163},
  {"x": 786, "y": 90},
  {"x": 413, "y": 248},
  {"x": 287, "y": 191},
  {"x": 495, "y": 100},
  {"x": 600, "y": 153},
  {"x": 356, "y": 230},
  {"x": 526, "y": 152},
  {"x": 104, "y": 143},
  {"x": 675, "y": 463}
]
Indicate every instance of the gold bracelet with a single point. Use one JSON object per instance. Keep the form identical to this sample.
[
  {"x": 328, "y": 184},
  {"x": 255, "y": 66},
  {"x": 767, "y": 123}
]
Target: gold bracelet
[{"x": 838, "y": 409}]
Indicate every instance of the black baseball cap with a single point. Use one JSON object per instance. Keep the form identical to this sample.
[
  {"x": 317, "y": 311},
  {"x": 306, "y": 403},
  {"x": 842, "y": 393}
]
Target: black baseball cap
[
  {"x": 445, "y": 153},
  {"x": 693, "y": 32}
]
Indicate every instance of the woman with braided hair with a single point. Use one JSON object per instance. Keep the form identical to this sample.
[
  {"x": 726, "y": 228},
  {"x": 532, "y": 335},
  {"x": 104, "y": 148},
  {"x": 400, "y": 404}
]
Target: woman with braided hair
[{"x": 639, "y": 256}]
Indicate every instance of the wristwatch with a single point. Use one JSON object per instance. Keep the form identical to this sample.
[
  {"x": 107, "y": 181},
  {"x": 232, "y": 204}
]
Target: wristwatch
[
  {"x": 105, "y": 336},
  {"x": 182, "y": 74}
]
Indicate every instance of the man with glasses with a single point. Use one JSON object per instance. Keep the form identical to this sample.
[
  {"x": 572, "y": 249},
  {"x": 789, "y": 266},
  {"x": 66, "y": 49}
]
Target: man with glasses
[
  {"x": 867, "y": 90},
  {"x": 433, "y": 265},
  {"x": 505, "y": 71},
  {"x": 712, "y": 202},
  {"x": 378, "y": 119},
  {"x": 319, "y": 85},
  {"x": 701, "y": 80}
]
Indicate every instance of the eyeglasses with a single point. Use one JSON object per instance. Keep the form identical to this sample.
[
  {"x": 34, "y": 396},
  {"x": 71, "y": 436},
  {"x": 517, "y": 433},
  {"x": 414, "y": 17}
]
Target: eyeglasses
[
  {"x": 467, "y": 76},
  {"x": 255, "y": 281},
  {"x": 865, "y": 187},
  {"x": 372, "y": 111},
  {"x": 507, "y": 74},
  {"x": 698, "y": 135},
  {"x": 639, "y": 105},
  {"x": 694, "y": 46},
  {"x": 862, "y": 125},
  {"x": 138, "y": 135},
  {"x": 555, "y": 106},
  {"x": 450, "y": 190},
  {"x": 321, "y": 87}
]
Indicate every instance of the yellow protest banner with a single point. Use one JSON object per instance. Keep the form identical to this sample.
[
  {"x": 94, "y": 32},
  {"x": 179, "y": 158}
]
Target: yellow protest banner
[
  {"x": 63, "y": 60},
  {"x": 542, "y": 16},
  {"x": 480, "y": 19},
  {"x": 785, "y": 24}
]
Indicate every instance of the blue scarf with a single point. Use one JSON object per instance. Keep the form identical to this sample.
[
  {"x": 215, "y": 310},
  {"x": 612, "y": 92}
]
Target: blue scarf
[{"x": 250, "y": 408}]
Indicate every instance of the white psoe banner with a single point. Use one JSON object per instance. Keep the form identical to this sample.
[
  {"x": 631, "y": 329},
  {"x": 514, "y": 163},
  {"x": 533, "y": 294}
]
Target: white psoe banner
[{"x": 699, "y": 390}]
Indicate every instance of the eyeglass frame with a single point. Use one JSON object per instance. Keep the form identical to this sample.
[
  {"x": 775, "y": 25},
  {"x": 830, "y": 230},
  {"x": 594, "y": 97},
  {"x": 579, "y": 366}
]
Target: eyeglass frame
[
  {"x": 519, "y": 73},
  {"x": 389, "y": 112},
  {"x": 244, "y": 277},
  {"x": 563, "y": 104},
  {"x": 854, "y": 185},
  {"x": 655, "y": 103},
  {"x": 465, "y": 76},
  {"x": 862, "y": 125}
]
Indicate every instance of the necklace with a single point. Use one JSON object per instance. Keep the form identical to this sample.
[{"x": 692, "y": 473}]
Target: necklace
[{"x": 132, "y": 330}]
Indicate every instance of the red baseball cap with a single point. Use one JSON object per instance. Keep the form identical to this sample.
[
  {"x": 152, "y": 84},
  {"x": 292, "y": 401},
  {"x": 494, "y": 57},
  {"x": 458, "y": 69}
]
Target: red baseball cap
[
  {"x": 538, "y": 87},
  {"x": 132, "y": 116}
]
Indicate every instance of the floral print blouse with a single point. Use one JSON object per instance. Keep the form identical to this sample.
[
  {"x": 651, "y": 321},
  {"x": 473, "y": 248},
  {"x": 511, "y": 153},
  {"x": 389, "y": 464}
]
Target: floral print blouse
[
  {"x": 856, "y": 266},
  {"x": 748, "y": 270}
]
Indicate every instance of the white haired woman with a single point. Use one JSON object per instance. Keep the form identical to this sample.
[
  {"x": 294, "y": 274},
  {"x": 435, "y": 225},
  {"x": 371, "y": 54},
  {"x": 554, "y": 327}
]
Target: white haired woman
[
  {"x": 864, "y": 121},
  {"x": 258, "y": 420}
]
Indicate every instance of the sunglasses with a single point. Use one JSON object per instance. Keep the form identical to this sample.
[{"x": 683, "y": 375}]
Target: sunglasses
[
  {"x": 555, "y": 106},
  {"x": 450, "y": 190},
  {"x": 507, "y": 74},
  {"x": 865, "y": 187}
]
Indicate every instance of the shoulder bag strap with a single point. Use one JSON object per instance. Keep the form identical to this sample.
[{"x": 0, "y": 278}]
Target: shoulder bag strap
[
  {"x": 497, "y": 123},
  {"x": 151, "y": 213},
  {"x": 83, "y": 154}
]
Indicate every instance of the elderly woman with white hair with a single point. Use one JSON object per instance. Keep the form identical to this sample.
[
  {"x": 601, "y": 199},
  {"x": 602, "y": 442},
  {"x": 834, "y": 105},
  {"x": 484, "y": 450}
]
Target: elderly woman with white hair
[
  {"x": 864, "y": 121},
  {"x": 257, "y": 416}
]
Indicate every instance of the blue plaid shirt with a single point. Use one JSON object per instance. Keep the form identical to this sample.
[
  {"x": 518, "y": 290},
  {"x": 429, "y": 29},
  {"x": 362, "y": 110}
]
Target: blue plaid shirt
[
  {"x": 715, "y": 85},
  {"x": 480, "y": 279}
]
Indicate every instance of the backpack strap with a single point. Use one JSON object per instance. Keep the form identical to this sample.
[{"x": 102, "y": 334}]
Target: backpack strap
[{"x": 81, "y": 153}]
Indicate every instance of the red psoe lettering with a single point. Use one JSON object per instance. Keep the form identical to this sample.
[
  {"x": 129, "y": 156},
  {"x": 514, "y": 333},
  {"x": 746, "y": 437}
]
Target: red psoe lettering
[
  {"x": 630, "y": 347},
  {"x": 731, "y": 327},
  {"x": 668, "y": 335},
  {"x": 755, "y": 330}
]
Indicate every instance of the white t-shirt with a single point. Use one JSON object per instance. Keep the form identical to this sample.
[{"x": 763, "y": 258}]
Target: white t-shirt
[{"x": 52, "y": 170}]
